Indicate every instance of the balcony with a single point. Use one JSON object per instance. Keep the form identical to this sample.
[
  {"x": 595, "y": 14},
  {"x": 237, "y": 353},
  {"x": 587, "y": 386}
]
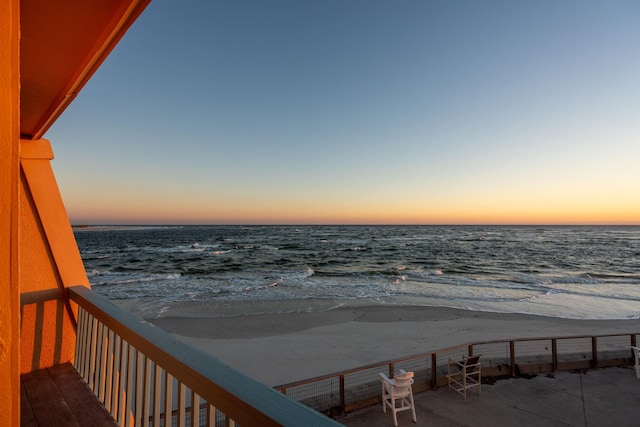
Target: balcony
[
  {"x": 141, "y": 376},
  {"x": 128, "y": 372},
  {"x": 354, "y": 389}
]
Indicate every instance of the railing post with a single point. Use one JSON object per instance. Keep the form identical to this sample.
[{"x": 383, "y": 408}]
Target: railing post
[
  {"x": 633, "y": 344},
  {"x": 93, "y": 338},
  {"x": 434, "y": 374},
  {"x": 512, "y": 358},
  {"x": 157, "y": 387},
  {"x": 101, "y": 344},
  {"x": 80, "y": 342},
  {"x": 470, "y": 350},
  {"x": 110, "y": 374},
  {"x": 594, "y": 352},
  {"x": 342, "y": 400},
  {"x": 392, "y": 370},
  {"x": 554, "y": 354}
]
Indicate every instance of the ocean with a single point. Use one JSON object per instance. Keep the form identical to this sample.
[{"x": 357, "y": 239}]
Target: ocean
[{"x": 583, "y": 272}]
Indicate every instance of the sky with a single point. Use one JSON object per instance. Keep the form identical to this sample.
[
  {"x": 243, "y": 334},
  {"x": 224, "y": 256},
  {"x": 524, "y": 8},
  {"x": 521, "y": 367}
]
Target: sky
[{"x": 360, "y": 112}]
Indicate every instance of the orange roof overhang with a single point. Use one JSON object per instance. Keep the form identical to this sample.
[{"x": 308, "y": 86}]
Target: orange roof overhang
[{"x": 62, "y": 43}]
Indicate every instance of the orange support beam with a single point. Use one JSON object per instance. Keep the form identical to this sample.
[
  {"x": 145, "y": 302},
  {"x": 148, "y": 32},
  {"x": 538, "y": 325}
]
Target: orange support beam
[
  {"x": 9, "y": 173},
  {"x": 50, "y": 261}
]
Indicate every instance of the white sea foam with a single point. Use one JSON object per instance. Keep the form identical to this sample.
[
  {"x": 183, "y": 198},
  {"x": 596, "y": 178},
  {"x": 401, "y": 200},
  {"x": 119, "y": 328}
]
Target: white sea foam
[{"x": 498, "y": 269}]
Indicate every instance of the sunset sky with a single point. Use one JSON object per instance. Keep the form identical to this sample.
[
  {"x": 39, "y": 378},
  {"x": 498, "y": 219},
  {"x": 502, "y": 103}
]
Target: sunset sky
[{"x": 360, "y": 111}]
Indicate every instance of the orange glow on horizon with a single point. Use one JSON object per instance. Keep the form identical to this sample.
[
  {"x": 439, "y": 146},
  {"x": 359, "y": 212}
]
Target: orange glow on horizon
[
  {"x": 271, "y": 215},
  {"x": 185, "y": 208}
]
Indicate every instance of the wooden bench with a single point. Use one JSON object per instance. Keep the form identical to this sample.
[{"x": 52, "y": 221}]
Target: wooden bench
[{"x": 58, "y": 396}]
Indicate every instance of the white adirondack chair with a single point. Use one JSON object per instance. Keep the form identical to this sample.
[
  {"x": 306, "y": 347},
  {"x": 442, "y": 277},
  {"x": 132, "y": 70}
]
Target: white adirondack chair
[
  {"x": 398, "y": 389},
  {"x": 465, "y": 374}
]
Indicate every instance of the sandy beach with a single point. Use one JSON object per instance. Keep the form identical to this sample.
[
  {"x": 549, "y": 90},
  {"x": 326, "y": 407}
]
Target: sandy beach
[{"x": 281, "y": 348}]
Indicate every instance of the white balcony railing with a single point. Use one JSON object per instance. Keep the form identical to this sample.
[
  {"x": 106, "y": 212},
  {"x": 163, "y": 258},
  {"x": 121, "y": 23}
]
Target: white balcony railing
[{"x": 144, "y": 377}]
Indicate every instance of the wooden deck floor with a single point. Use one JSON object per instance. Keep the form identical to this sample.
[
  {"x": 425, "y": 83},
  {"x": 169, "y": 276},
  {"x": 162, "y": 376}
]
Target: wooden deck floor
[{"x": 58, "y": 396}]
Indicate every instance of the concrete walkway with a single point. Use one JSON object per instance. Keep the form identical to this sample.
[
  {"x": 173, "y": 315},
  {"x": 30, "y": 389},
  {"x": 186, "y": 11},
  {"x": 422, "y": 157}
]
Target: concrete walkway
[{"x": 605, "y": 397}]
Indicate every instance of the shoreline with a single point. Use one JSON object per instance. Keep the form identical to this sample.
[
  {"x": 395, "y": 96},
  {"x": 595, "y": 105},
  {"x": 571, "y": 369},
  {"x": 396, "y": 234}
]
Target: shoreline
[
  {"x": 281, "y": 348},
  {"x": 249, "y": 326}
]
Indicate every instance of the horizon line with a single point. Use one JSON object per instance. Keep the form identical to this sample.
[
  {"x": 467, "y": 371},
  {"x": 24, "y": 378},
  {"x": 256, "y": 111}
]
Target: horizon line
[{"x": 257, "y": 224}]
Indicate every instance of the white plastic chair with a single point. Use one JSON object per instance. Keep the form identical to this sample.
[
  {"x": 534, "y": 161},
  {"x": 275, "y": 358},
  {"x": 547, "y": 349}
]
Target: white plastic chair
[
  {"x": 398, "y": 388},
  {"x": 465, "y": 374},
  {"x": 636, "y": 353}
]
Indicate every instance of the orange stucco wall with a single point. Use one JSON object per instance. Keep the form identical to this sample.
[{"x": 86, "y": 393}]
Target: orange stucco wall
[
  {"x": 39, "y": 257},
  {"x": 9, "y": 137},
  {"x": 38, "y": 253},
  {"x": 49, "y": 262}
]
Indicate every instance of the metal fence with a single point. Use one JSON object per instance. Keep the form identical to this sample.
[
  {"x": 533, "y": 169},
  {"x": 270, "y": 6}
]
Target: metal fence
[{"x": 360, "y": 387}]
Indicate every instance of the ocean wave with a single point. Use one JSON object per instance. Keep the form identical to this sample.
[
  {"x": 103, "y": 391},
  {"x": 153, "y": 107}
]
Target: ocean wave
[
  {"x": 220, "y": 252},
  {"x": 98, "y": 277},
  {"x": 519, "y": 268},
  {"x": 626, "y": 292},
  {"x": 542, "y": 295}
]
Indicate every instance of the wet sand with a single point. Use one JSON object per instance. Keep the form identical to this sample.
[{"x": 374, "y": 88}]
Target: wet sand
[{"x": 281, "y": 348}]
